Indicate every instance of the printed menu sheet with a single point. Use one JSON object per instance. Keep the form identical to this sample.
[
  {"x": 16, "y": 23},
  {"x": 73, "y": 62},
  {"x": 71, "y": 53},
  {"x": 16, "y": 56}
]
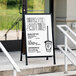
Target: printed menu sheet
[{"x": 39, "y": 40}]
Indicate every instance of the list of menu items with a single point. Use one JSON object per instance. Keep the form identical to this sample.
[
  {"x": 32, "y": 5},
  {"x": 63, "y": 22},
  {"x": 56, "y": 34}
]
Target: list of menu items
[{"x": 32, "y": 35}]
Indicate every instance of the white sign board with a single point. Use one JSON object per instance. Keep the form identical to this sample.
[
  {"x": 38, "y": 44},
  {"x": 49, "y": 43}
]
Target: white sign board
[{"x": 39, "y": 35}]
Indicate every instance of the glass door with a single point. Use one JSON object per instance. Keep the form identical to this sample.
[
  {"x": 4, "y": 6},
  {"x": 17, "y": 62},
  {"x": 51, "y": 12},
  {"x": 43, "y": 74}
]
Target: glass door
[
  {"x": 39, "y": 6},
  {"x": 35, "y": 6}
]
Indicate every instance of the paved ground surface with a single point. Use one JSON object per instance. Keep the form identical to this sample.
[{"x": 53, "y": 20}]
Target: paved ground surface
[
  {"x": 33, "y": 62},
  {"x": 12, "y": 35}
]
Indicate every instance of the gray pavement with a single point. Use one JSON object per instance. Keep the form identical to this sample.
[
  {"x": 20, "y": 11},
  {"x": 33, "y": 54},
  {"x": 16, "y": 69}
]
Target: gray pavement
[
  {"x": 12, "y": 34},
  {"x": 32, "y": 62}
]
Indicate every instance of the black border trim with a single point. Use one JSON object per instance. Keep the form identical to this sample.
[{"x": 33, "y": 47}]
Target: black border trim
[{"x": 52, "y": 39}]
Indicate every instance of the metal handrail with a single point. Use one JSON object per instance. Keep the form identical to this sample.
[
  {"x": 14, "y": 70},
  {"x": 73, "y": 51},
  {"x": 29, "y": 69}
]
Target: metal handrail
[
  {"x": 64, "y": 32},
  {"x": 15, "y": 67},
  {"x": 66, "y": 46},
  {"x": 67, "y": 28},
  {"x": 69, "y": 49},
  {"x": 19, "y": 19},
  {"x": 60, "y": 47},
  {"x": 13, "y": 25}
]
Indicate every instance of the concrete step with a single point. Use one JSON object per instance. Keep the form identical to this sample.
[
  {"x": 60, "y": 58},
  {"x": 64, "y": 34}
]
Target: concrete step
[
  {"x": 70, "y": 73},
  {"x": 42, "y": 71}
]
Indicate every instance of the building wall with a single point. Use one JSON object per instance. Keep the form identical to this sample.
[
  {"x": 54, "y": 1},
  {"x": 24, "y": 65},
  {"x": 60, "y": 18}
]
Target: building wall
[
  {"x": 71, "y": 18},
  {"x": 60, "y": 19},
  {"x": 71, "y": 9},
  {"x": 65, "y": 14},
  {"x": 61, "y": 8}
]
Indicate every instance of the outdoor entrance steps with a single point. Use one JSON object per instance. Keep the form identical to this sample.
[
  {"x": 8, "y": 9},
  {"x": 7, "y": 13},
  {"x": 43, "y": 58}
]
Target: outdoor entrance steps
[{"x": 35, "y": 65}]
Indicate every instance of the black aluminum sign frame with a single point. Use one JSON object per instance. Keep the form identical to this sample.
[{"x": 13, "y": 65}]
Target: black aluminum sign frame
[{"x": 26, "y": 56}]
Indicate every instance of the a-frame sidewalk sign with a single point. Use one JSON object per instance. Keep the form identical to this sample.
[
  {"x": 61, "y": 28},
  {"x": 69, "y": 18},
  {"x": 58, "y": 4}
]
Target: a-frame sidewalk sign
[{"x": 38, "y": 32}]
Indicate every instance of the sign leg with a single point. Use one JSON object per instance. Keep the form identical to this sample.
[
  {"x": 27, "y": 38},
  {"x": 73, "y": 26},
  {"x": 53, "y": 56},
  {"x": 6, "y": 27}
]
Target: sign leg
[
  {"x": 21, "y": 56},
  {"x": 54, "y": 59},
  {"x": 26, "y": 59},
  {"x": 47, "y": 58}
]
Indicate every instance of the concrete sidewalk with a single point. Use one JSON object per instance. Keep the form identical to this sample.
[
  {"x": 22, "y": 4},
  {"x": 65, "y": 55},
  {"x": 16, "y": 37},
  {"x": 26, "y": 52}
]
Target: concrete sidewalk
[
  {"x": 11, "y": 35},
  {"x": 35, "y": 65},
  {"x": 32, "y": 62}
]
